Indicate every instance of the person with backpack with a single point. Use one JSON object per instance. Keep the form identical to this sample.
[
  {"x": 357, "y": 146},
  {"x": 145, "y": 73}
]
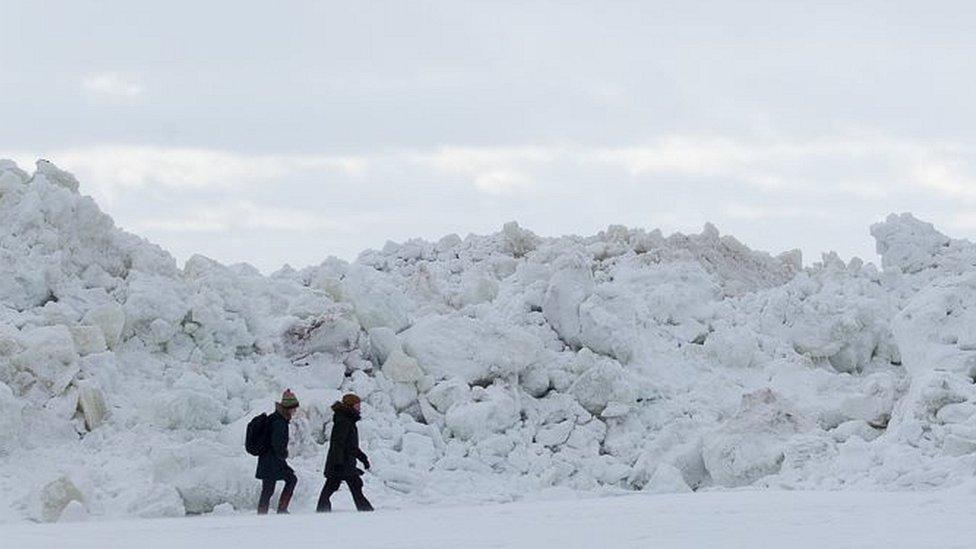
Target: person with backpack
[
  {"x": 268, "y": 439},
  {"x": 340, "y": 464}
]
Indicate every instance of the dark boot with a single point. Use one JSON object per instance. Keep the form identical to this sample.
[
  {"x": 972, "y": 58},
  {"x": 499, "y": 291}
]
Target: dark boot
[
  {"x": 324, "y": 504},
  {"x": 267, "y": 490},
  {"x": 283, "y": 502},
  {"x": 356, "y": 487}
]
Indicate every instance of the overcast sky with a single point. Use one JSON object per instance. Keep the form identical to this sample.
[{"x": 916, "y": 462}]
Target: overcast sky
[{"x": 284, "y": 132}]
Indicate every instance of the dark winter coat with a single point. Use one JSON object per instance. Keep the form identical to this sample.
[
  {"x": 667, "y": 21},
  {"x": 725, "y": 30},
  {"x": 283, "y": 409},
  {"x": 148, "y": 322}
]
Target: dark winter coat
[
  {"x": 344, "y": 444},
  {"x": 272, "y": 465}
]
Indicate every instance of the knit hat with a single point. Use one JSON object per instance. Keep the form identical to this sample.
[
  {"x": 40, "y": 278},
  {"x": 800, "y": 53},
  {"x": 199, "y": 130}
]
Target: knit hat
[
  {"x": 288, "y": 399},
  {"x": 351, "y": 400}
]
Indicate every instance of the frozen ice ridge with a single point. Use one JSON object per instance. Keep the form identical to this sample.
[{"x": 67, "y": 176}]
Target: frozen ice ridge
[{"x": 490, "y": 366}]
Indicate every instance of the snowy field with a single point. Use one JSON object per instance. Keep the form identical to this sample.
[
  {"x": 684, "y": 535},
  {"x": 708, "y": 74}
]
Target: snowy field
[{"x": 795, "y": 520}]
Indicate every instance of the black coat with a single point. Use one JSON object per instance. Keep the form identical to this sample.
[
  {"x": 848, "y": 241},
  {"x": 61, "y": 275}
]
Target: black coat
[
  {"x": 344, "y": 444},
  {"x": 272, "y": 465}
]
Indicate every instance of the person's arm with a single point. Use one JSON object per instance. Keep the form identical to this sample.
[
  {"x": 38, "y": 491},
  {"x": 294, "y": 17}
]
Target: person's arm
[
  {"x": 340, "y": 436},
  {"x": 362, "y": 457},
  {"x": 355, "y": 451}
]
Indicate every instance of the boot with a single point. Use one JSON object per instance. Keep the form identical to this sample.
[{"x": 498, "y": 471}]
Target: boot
[
  {"x": 324, "y": 506},
  {"x": 283, "y": 502},
  {"x": 267, "y": 490}
]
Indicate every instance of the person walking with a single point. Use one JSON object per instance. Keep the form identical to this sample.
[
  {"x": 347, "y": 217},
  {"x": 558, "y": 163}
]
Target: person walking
[
  {"x": 272, "y": 464},
  {"x": 340, "y": 463}
]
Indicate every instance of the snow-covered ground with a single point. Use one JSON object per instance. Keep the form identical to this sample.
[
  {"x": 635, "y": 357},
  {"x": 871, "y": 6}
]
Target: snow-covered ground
[
  {"x": 798, "y": 520},
  {"x": 492, "y": 367}
]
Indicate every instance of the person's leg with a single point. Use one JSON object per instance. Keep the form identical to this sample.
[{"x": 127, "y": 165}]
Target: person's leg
[
  {"x": 331, "y": 485},
  {"x": 355, "y": 485},
  {"x": 267, "y": 489},
  {"x": 290, "y": 481}
]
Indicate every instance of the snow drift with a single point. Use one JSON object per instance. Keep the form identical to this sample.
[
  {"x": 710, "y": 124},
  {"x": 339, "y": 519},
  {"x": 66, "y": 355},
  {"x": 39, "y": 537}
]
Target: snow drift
[{"x": 490, "y": 366}]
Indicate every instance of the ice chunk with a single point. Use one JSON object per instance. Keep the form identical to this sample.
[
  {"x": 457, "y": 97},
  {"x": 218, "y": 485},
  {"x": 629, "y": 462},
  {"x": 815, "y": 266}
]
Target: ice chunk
[
  {"x": 403, "y": 395},
  {"x": 88, "y": 339},
  {"x": 603, "y": 381},
  {"x": 158, "y": 501},
  {"x": 733, "y": 347},
  {"x": 110, "y": 319},
  {"x": 10, "y": 420},
  {"x": 474, "y": 350},
  {"x": 477, "y": 286},
  {"x": 53, "y": 174},
  {"x": 907, "y": 244},
  {"x": 55, "y": 497},
  {"x": 375, "y": 298},
  {"x": 554, "y": 434},
  {"x": 518, "y": 241},
  {"x": 222, "y": 480},
  {"x": 11, "y": 176},
  {"x": 50, "y": 356},
  {"x": 667, "y": 479},
  {"x": 752, "y": 444},
  {"x": 74, "y": 511},
  {"x": 333, "y": 332},
  {"x": 419, "y": 450},
  {"x": 91, "y": 403},
  {"x": 494, "y": 414},
  {"x": 10, "y": 343},
  {"x": 382, "y": 342},
  {"x": 22, "y": 285},
  {"x": 447, "y": 393},
  {"x": 934, "y": 329},
  {"x": 566, "y": 292},
  {"x": 188, "y": 409},
  {"x": 402, "y": 368}
]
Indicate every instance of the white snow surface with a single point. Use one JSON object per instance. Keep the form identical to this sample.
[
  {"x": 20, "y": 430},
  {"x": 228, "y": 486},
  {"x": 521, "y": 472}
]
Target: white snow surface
[
  {"x": 729, "y": 520},
  {"x": 491, "y": 367}
]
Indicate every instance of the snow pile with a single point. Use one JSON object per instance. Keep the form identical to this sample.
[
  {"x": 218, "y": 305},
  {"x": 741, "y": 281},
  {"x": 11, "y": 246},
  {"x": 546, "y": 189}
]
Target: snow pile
[{"x": 489, "y": 366}]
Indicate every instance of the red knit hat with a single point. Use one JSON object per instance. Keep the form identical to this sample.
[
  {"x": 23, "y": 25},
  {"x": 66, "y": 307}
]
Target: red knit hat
[
  {"x": 351, "y": 400},
  {"x": 288, "y": 399}
]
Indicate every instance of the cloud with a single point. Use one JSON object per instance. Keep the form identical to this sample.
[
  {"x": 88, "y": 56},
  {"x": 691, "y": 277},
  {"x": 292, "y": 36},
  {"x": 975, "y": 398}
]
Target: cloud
[
  {"x": 242, "y": 215},
  {"x": 768, "y": 163},
  {"x": 867, "y": 166},
  {"x": 109, "y": 171},
  {"x": 111, "y": 84},
  {"x": 502, "y": 181},
  {"x": 949, "y": 177},
  {"x": 757, "y": 212},
  {"x": 491, "y": 170}
]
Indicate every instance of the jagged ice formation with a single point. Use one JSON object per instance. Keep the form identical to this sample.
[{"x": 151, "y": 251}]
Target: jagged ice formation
[{"x": 490, "y": 366}]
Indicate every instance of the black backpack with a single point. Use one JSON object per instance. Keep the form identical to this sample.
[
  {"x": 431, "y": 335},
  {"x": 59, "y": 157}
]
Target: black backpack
[{"x": 256, "y": 440}]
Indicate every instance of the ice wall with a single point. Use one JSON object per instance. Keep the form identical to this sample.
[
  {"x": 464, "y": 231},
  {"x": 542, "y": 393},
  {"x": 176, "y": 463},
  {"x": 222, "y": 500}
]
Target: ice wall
[{"x": 490, "y": 366}]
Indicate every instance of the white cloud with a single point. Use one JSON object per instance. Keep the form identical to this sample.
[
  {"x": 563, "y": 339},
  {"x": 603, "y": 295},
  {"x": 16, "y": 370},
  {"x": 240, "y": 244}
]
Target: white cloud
[
  {"x": 756, "y": 212},
  {"x": 491, "y": 170},
  {"x": 112, "y": 84},
  {"x": 963, "y": 221},
  {"x": 502, "y": 181},
  {"x": 949, "y": 177},
  {"x": 108, "y": 171},
  {"x": 242, "y": 215},
  {"x": 768, "y": 163},
  {"x": 777, "y": 165}
]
